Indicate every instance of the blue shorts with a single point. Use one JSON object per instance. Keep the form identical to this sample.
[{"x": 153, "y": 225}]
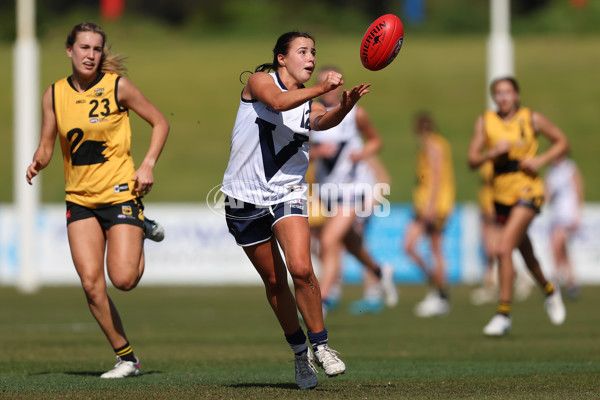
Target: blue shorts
[{"x": 252, "y": 224}]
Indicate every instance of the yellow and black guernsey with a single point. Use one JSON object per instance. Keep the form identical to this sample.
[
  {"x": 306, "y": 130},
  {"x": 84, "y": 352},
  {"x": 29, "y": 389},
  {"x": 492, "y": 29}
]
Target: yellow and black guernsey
[
  {"x": 95, "y": 137},
  {"x": 510, "y": 184},
  {"x": 444, "y": 202}
]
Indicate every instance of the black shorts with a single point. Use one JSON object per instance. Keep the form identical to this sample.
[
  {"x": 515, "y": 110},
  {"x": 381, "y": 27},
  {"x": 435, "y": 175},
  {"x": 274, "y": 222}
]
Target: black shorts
[
  {"x": 437, "y": 225},
  {"x": 130, "y": 213},
  {"x": 251, "y": 224},
  {"x": 503, "y": 210}
]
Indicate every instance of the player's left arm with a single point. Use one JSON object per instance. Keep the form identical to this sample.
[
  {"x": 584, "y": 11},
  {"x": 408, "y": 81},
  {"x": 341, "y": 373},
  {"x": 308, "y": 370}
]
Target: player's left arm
[
  {"x": 131, "y": 97},
  {"x": 321, "y": 119},
  {"x": 560, "y": 144},
  {"x": 372, "y": 138}
]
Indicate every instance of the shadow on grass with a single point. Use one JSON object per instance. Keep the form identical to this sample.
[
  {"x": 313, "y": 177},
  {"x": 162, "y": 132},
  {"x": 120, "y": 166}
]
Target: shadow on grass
[
  {"x": 291, "y": 386},
  {"x": 87, "y": 373}
]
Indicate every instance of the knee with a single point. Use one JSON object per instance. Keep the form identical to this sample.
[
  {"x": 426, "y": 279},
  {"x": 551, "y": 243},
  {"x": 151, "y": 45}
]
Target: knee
[
  {"x": 503, "y": 251},
  {"x": 123, "y": 282},
  {"x": 300, "y": 269},
  {"x": 94, "y": 290},
  {"x": 409, "y": 247},
  {"x": 330, "y": 244},
  {"x": 273, "y": 286}
]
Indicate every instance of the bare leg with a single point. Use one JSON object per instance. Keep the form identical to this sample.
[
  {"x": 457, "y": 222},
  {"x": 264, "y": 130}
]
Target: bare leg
[
  {"x": 511, "y": 236},
  {"x": 563, "y": 266},
  {"x": 531, "y": 261},
  {"x": 268, "y": 262},
  {"x": 87, "y": 242},
  {"x": 293, "y": 236},
  {"x": 332, "y": 236},
  {"x": 438, "y": 274},
  {"x": 353, "y": 242},
  {"x": 414, "y": 232},
  {"x": 125, "y": 260},
  {"x": 490, "y": 233}
]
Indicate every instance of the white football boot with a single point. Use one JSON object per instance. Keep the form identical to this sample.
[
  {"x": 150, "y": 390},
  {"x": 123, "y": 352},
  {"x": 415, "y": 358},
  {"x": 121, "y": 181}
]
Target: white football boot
[
  {"x": 327, "y": 359},
  {"x": 555, "y": 307},
  {"x": 433, "y": 305},
  {"x": 389, "y": 286},
  {"x": 124, "y": 369},
  {"x": 499, "y": 325}
]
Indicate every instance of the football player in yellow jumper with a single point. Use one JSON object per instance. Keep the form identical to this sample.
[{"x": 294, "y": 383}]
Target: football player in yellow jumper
[
  {"x": 509, "y": 138},
  {"x": 89, "y": 111}
]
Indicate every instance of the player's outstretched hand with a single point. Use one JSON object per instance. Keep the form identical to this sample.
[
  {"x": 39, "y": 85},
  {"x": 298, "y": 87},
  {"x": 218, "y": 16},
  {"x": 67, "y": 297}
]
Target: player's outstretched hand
[{"x": 350, "y": 97}]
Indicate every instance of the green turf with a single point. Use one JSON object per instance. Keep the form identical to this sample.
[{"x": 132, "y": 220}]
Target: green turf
[
  {"x": 195, "y": 83},
  {"x": 224, "y": 343}
]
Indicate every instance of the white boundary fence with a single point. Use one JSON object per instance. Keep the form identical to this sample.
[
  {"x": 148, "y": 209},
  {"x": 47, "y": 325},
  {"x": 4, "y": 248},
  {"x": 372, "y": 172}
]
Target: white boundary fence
[{"x": 198, "y": 250}]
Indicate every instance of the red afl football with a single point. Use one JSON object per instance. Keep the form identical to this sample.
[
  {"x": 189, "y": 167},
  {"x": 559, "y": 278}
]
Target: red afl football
[{"x": 382, "y": 42}]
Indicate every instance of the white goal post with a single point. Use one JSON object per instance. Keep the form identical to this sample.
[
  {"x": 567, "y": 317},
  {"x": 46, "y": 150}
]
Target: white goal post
[
  {"x": 26, "y": 127},
  {"x": 500, "y": 51}
]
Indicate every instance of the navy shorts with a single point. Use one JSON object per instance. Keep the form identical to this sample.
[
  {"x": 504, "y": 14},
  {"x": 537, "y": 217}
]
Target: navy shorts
[
  {"x": 129, "y": 212},
  {"x": 252, "y": 224}
]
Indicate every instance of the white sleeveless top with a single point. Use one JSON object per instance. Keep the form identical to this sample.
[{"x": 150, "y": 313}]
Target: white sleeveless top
[
  {"x": 269, "y": 153},
  {"x": 562, "y": 193}
]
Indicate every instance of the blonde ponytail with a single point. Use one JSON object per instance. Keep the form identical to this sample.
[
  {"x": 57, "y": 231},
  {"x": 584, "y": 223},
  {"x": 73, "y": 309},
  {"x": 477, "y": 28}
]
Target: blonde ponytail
[{"x": 113, "y": 63}]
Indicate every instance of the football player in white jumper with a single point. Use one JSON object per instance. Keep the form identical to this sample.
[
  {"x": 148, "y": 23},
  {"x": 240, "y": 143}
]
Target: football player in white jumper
[{"x": 265, "y": 190}]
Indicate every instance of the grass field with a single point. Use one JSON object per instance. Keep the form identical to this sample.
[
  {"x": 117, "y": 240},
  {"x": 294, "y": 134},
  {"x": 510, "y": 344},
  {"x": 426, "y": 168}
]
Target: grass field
[
  {"x": 224, "y": 343},
  {"x": 195, "y": 82}
]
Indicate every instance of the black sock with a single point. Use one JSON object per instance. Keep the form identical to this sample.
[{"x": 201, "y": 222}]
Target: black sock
[
  {"x": 377, "y": 273},
  {"x": 317, "y": 339},
  {"x": 443, "y": 293},
  {"x": 297, "y": 342},
  {"x": 125, "y": 353}
]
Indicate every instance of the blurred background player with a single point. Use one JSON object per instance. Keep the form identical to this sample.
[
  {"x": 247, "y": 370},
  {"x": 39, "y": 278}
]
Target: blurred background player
[
  {"x": 488, "y": 292},
  {"x": 372, "y": 301},
  {"x": 346, "y": 185},
  {"x": 89, "y": 111},
  {"x": 266, "y": 192},
  {"x": 565, "y": 191},
  {"x": 508, "y": 137},
  {"x": 433, "y": 202}
]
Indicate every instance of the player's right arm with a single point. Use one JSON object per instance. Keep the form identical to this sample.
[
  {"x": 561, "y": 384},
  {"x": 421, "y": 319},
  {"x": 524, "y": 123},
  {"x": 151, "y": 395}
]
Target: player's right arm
[
  {"x": 43, "y": 154},
  {"x": 476, "y": 155}
]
